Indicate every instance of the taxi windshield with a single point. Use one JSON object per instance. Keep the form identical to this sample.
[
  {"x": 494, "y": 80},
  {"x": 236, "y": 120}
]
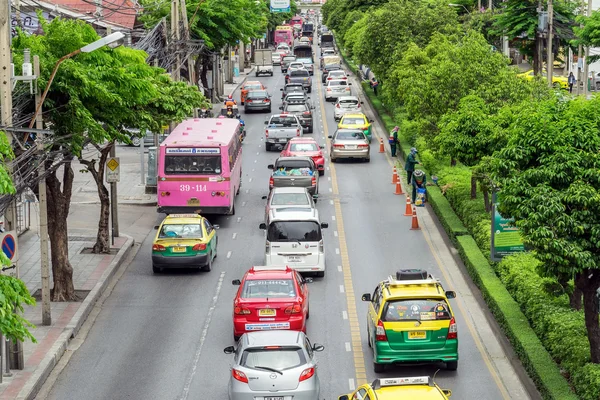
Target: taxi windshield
[
  {"x": 268, "y": 288},
  {"x": 289, "y": 199},
  {"x": 353, "y": 121},
  {"x": 181, "y": 231},
  {"x": 416, "y": 310}
]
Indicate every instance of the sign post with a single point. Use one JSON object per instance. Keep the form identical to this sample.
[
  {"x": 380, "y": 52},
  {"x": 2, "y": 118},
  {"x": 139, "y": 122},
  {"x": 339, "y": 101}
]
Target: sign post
[
  {"x": 113, "y": 170},
  {"x": 506, "y": 239},
  {"x": 280, "y": 6}
]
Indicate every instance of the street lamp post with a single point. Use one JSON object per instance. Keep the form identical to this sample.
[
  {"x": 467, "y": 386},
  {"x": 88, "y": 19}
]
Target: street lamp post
[{"x": 46, "y": 310}]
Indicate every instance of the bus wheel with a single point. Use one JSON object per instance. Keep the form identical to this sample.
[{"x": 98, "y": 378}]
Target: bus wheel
[{"x": 232, "y": 210}]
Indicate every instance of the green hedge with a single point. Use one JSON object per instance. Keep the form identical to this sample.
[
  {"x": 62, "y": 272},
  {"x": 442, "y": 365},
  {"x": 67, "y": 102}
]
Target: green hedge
[
  {"x": 532, "y": 353},
  {"x": 560, "y": 328}
]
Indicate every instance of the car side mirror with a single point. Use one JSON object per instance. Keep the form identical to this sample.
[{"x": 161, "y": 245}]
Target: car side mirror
[
  {"x": 344, "y": 397},
  {"x": 366, "y": 297},
  {"x": 324, "y": 225},
  {"x": 362, "y": 102},
  {"x": 236, "y": 282},
  {"x": 308, "y": 280},
  {"x": 447, "y": 392},
  {"x": 216, "y": 226},
  {"x": 281, "y": 89},
  {"x": 229, "y": 350},
  {"x": 321, "y": 147},
  {"x": 156, "y": 226},
  {"x": 264, "y": 197},
  {"x": 371, "y": 120},
  {"x": 318, "y": 347},
  {"x": 281, "y": 108},
  {"x": 451, "y": 294},
  {"x": 266, "y": 122},
  {"x": 262, "y": 226},
  {"x": 330, "y": 137},
  {"x": 271, "y": 166}
]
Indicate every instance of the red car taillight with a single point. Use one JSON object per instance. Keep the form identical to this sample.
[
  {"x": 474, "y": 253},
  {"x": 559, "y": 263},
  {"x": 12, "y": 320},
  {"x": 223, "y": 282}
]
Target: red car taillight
[
  {"x": 380, "y": 335},
  {"x": 248, "y": 101},
  {"x": 337, "y": 106},
  {"x": 239, "y": 376},
  {"x": 158, "y": 247},
  {"x": 297, "y": 132},
  {"x": 338, "y": 146},
  {"x": 271, "y": 181},
  {"x": 266, "y": 133},
  {"x": 307, "y": 113},
  {"x": 307, "y": 374},
  {"x": 241, "y": 310},
  {"x": 452, "y": 330},
  {"x": 295, "y": 309},
  {"x": 267, "y": 100},
  {"x": 199, "y": 247},
  {"x": 363, "y": 146},
  {"x": 314, "y": 181}
]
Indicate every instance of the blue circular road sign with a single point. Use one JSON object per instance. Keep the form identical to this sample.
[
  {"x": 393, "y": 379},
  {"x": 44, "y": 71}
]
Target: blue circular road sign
[{"x": 9, "y": 246}]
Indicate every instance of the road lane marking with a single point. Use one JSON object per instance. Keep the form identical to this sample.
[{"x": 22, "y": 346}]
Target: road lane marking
[
  {"x": 337, "y": 251},
  {"x": 339, "y": 268},
  {"x": 345, "y": 314},
  {"x": 239, "y": 219},
  {"x": 333, "y": 217},
  {"x": 228, "y": 254},
  {"x": 348, "y": 347},
  {"x": 247, "y": 190},
  {"x": 335, "y": 233},
  {"x": 330, "y": 201},
  {"x": 243, "y": 204},
  {"x": 330, "y": 189},
  {"x": 249, "y": 180},
  {"x": 478, "y": 342},
  {"x": 234, "y": 235},
  {"x": 211, "y": 310},
  {"x": 341, "y": 288},
  {"x": 351, "y": 384}
]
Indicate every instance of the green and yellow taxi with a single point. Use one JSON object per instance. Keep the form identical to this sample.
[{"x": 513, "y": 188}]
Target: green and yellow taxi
[
  {"x": 414, "y": 388},
  {"x": 357, "y": 121},
  {"x": 558, "y": 81},
  {"x": 410, "y": 321},
  {"x": 184, "y": 241}
]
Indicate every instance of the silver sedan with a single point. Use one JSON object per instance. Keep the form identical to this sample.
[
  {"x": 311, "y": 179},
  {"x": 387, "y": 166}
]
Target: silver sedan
[
  {"x": 350, "y": 143},
  {"x": 346, "y": 105},
  {"x": 274, "y": 365}
]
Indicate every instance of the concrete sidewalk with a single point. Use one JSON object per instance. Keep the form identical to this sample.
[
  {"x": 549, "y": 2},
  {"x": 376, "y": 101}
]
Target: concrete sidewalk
[{"x": 92, "y": 273}]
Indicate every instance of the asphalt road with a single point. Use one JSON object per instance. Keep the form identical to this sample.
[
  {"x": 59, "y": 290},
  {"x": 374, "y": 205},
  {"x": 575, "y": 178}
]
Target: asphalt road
[{"x": 162, "y": 336}]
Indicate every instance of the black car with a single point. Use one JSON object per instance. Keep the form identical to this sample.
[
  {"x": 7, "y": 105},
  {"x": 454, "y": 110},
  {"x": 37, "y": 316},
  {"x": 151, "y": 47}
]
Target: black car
[
  {"x": 304, "y": 113},
  {"x": 257, "y": 100}
]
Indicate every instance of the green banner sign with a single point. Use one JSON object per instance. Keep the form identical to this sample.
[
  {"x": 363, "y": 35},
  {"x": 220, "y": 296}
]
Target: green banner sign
[{"x": 506, "y": 238}]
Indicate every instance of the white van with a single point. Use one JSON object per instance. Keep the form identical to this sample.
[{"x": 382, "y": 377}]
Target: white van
[{"x": 294, "y": 238}]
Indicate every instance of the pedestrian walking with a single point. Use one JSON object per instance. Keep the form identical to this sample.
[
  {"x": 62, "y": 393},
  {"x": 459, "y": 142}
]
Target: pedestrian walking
[
  {"x": 374, "y": 85},
  {"x": 419, "y": 180},
  {"x": 571, "y": 81},
  {"x": 411, "y": 161},
  {"x": 393, "y": 140}
]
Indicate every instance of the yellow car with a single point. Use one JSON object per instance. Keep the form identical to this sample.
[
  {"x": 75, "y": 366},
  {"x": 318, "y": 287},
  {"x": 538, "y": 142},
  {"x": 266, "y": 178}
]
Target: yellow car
[
  {"x": 557, "y": 80},
  {"x": 356, "y": 121},
  {"x": 414, "y": 388},
  {"x": 184, "y": 241}
]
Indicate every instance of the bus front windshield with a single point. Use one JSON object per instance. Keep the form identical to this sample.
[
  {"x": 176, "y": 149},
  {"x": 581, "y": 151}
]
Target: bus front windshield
[{"x": 197, "y": 164}]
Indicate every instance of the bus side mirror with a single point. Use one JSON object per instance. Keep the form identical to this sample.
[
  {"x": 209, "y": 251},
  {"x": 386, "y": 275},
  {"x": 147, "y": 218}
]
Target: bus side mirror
[
  {"x": 366, "y": 297},
  {"x": 236, "y": 282},
  {"x": 262, "y": 225},
  {"x": 451, "y": 294},
  {"x": 266, "y": 122}
]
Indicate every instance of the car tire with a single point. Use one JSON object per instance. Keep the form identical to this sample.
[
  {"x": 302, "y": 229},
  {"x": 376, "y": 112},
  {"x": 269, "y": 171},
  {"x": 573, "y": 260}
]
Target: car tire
[
  {"x": 136, "y": 141},
  {"x": 242, "y": 103},
  {"x": 333, "y": 160},
  {"x": 320, "y": 274},
  {"x": 257, "y": 74},
  {"x": 156, "y": 270},
  {"x": 269, "y": 110},
  {"x": 208, "y": 266},
  {"x": 369, "y": 339},
  {"x": 271, "y": 74},
  {"x": 236, "y": 338},
  {"x": 310, "y": 90},
  {"x": 368, "y": 159},
  {"x": 268, "y": 146},
  {"x": 246, "y": 110},
  {"x": 321, "y": 173},
  {"x": 378, "y": 368},
  {"x": 452, "y": 365},
  {"x": 308, "y": 313},
  {"x": 232, "y": 210}
]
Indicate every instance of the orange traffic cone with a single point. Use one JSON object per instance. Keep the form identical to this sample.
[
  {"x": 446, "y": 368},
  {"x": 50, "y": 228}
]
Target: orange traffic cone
[
  {"x": 408, "y": 209},
  {"x": 398, "y": 188},
  {"x": 395, "y": 176},
  {"x": 381, "y": 148},
  {"x": 415, "y": 220}
]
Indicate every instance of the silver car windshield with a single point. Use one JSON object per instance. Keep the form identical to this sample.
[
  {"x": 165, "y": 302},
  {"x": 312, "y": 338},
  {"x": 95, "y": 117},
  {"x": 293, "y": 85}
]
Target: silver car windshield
[
  {"x": 289, "y": 199},
  {"x": 295, "y": 108},
  {"x": 283, "y": 121},
  {"x": 276, "y": 357}
]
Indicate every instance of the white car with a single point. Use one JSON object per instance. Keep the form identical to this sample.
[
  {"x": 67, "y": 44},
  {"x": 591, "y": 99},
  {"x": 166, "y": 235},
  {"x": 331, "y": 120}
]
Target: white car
[
  {"x": 295, "y": 65},
  {"x": 337, "y": 88},
  {"x": 345, "y": 105},
  {"x": 276, "y": 57},
  {"x": 327, "y": 52},
  {"x": 336, "y": 74},
  {"x": 289, "y": 198},
  {"x": 283, "y": 48}
]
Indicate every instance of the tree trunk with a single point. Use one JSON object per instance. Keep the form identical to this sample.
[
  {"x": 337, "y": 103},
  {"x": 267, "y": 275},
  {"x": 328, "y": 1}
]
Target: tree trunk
[
  {"x": 452, "y": 162},
  {"x": 486, "y": 200},
  {"x": 575, "y": 299},
  {"x": 589, "y": 281},
  {"x": 58, "y": 211},
  {"x": 102, "y": 244},
  {"x": 473, "y": 186}
]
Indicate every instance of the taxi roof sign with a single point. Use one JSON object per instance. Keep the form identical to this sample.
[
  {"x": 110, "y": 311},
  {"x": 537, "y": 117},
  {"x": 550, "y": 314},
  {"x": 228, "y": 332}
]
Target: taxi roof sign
[
  {"x": 183, "y": 215},
  {"x": 413, "y": 380}
]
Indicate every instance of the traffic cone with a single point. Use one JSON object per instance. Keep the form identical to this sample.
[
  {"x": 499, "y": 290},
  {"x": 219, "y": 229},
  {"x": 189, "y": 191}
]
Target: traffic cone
[
  {"x": 398, "y": 188},
  {"x": 408, "y": 209},
  {"x": 415, "y": 220},
  {"x": 381, "y": 148},
  {"x": 395, "y": 176}
]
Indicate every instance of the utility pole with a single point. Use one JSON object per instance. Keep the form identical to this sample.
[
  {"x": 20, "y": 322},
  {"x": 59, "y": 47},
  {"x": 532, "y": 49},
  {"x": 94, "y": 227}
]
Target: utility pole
[
  {"x": 550, "y": 55},
  {"x": 587, "y": 57},
  {"x": 16, "y": 353},
  {"x": 46, "y": 309},
  {"x": 175, "y": 37},
  {"x": 114, "y": 202},
  {"x": 186, "y": 32},
  {"x": 579, "y": 60}
]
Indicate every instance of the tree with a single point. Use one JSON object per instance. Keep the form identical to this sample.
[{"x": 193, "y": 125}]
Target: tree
[
  {"x": 93, "y": 98},
  {"x": 550, "y": 183},
  {"x": 589, "y": 35},
  {"x": 13, "y": 292}
]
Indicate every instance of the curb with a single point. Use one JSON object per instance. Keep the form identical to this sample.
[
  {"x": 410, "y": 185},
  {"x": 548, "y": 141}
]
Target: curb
[
  {"x": 37, "y": 379},
  {"x": 122, "y": 202}
]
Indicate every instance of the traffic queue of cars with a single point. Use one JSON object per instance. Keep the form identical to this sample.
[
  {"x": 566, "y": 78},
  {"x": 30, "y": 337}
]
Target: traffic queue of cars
[{"x": 409, "y": 318}]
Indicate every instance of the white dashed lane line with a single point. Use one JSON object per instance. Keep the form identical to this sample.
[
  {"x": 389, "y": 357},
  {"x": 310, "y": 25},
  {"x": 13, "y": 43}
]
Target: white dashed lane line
[
  {"x": 341, "y": 288},
  {"x": 339, "y": 268},
  {"x": 351, "y": 384},
  {"x": 234, "y": 235},
  {"x": 345, "y": 314},
  {"x": 239, "y": 219},
  {"x": 228, "y": 254},
  {"x": 249, "y": 180},
  {"x": 348, "y": 347},
  {"x": 333, "y": 217},
  {"x": 335, "y": 233},
  {"x": 243, "y": 204},
  {"x": 330, "y": 201},
  {"x": 337, "y": 251}
]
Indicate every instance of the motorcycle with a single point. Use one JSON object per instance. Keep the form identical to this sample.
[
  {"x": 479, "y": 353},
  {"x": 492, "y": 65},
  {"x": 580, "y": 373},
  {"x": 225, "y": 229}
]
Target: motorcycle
[
  {"x": 242, "y": 130},
  {"x": 204, "y": 113}
]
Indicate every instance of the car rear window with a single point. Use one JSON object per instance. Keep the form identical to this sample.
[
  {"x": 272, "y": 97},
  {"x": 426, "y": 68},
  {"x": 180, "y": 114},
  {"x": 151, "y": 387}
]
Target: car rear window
[
  {"x": 289, "y": 58},
  {"x": 295, "y": 108},
  {"x": 353, "y": 121},
  {"x": 257, "y": 94},
  {"x": 268, "y": 288},
  {"x": 181, "y": 231},
  {"x": 276, "y": 357},
  {"x": 293, "y": 231},
  {"x": 283, "y": 121},
  {"x": 304, "y": 147},
  {"x": 350, "y": 136},
  {"x": 337, "y": 73},
  {"x": 348, "y": 103},
  {"x": 299, "y": 72},
  {"x": 305, "y": 60},
  {"x": 290, "y": 199},
  {"x": 416, "y": 310},
  {"x": 253, "y": 86},
  {"x": 338, "y": 83}
]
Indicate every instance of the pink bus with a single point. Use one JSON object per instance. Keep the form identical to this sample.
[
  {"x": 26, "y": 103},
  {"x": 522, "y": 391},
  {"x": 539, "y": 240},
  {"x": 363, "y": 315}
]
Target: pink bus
[
  {"x": 200, "y": 167},
  {"x": 284, "y": 34}
]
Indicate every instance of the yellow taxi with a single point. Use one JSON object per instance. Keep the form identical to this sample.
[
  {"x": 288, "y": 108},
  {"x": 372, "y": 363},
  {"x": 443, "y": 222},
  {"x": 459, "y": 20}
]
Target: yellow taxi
[
  {"x": 184, "y": 241},
  {"x": 356, "y": 121},
  {"x": 414, "y": 388},
  {"x": 557, "y": 80}
]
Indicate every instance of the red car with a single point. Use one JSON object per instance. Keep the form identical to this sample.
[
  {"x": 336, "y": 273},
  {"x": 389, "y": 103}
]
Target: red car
[
  {"x": 270, "y": 298},
  {"x": 306, "y": 147}
]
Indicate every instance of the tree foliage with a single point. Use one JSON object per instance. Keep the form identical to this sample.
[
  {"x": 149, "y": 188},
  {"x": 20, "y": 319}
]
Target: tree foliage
[
  {"x": 589, "y": 35},
  {"x": 550, "y": 183}
]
